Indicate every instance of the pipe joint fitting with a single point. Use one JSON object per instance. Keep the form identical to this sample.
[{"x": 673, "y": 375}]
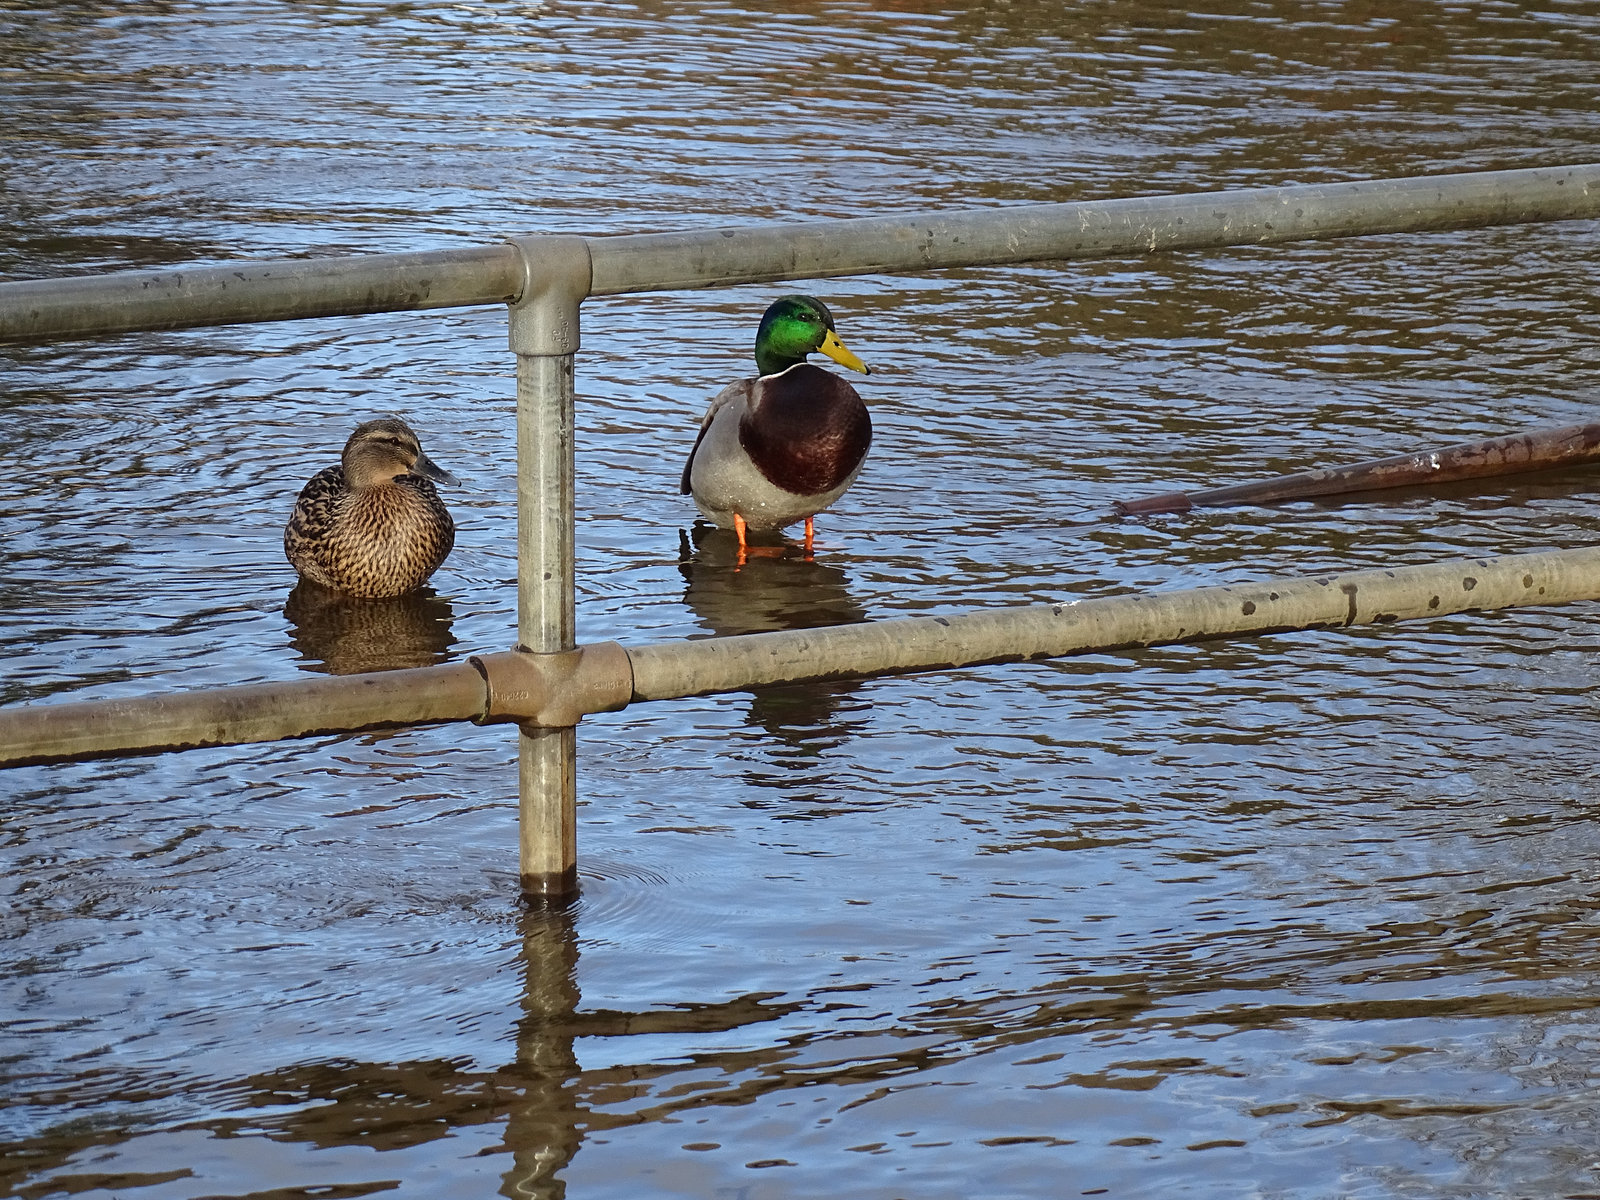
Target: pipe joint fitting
[
  {"x": 557, "y": 272},
  {"x": 553, "y": 691}
]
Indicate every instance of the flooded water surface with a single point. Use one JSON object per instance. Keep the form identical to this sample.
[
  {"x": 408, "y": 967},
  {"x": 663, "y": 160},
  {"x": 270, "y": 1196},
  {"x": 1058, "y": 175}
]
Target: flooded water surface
[{"x": 1302, "y": 916}]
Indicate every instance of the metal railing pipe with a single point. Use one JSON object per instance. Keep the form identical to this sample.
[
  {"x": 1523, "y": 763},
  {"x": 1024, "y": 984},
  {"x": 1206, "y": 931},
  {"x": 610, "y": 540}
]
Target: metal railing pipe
[
  {"x": 239, "y": 293},
  {"x": 230, "y": 716},
  {"x": 544, "y": 335},
  {"x": 670, "y": 670},
  {"x": 1091, "y": 228},
  {"x": 602, "y": 677},
  {"x": 296, "y": 288}
]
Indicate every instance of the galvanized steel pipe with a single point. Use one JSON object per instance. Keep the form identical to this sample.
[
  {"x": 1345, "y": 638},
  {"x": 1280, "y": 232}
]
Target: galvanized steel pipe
[
  {"x": 602, "y": 678},
  {"x": 1091, "y": 228},
  {"x": 98, "y": 305},
  {"x": 544, "y": 335},
  {"x": 279, "y": 291},
  {"x": 670, "y": 670},
  {"x": 229, "y": 716}
]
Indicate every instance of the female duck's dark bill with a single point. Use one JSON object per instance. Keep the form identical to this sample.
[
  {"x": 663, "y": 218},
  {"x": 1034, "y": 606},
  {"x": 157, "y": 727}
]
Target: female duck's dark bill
[{"x": 429, "y": 469}]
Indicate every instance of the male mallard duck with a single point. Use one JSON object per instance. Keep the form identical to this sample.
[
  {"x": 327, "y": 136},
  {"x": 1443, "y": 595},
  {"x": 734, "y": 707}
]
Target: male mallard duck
[
  {"x": 782, "y": 447},
  {"x": 372, "y": 526}
]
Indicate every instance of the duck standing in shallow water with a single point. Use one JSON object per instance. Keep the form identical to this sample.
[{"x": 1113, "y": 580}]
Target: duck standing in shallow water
[
  {"x": 373, "y": 526},
  {"x": 782, "y": 447}
]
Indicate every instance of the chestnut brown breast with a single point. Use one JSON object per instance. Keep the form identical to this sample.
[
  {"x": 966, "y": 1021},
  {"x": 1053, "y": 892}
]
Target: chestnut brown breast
[{"x": 806, "y": 430}]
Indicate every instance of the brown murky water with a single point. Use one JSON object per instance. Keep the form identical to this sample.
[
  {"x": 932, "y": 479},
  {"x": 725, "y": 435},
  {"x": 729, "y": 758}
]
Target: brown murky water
[{"x": 1309, "y": 916}]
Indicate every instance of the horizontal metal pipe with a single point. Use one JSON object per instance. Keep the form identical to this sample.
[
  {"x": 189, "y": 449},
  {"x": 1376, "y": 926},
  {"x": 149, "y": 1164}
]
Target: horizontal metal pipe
[
  {"x": 288, "y": 290},
  {"x": 596, "y": 678},
  {"x": 670, "y": 670},
  {"x": 229, "y": 716},
  {"x": 98, "y": 305},
  {"x": 1090, "y": 229},
  {"x": 1512, "y": 454}
]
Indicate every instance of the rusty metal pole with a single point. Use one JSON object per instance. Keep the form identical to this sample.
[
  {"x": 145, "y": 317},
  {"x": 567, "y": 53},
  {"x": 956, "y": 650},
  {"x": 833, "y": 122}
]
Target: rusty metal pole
[
  {"x": 1512, "y": 454},
  {"x": 544, "y": 337}
]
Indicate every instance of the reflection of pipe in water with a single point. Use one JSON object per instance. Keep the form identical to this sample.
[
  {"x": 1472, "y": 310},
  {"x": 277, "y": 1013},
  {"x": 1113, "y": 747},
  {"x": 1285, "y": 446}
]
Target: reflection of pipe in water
[
  {"x": 542, "y": 1128},
  {"x": 775, "y": 587},
  {"x": 340, "y": 635},
  {"x": 548, "y": 1116}
]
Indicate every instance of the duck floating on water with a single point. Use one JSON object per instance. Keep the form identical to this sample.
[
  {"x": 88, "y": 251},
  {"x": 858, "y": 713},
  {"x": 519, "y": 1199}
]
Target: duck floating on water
[
  {"x": 373, "y": 526},
  {"x": 782, "y": 447}
]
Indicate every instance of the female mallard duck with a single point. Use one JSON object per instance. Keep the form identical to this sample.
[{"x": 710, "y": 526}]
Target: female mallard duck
[
  {"x": 782, "y": 447},
  {"x": 372, "y": 526}
]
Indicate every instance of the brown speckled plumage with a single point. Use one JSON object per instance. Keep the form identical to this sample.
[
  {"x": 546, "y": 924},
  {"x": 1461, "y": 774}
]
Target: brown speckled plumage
[{"x": 372, "y": 526}]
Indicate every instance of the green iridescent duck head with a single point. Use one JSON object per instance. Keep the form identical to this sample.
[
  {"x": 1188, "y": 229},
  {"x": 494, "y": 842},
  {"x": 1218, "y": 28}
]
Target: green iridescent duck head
[{"x": 792, "y": 328}]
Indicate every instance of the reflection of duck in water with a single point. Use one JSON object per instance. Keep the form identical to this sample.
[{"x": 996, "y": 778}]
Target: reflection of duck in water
[
  {"x": 372, "y": 526},
  {"x": 788, "y": 590},
  {"x": 781, "y": 448},
  {"x": 341, "y": 635}
]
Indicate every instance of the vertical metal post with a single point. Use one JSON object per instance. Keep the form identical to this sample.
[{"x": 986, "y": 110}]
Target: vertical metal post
[{"x": 544, "y": 337}]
